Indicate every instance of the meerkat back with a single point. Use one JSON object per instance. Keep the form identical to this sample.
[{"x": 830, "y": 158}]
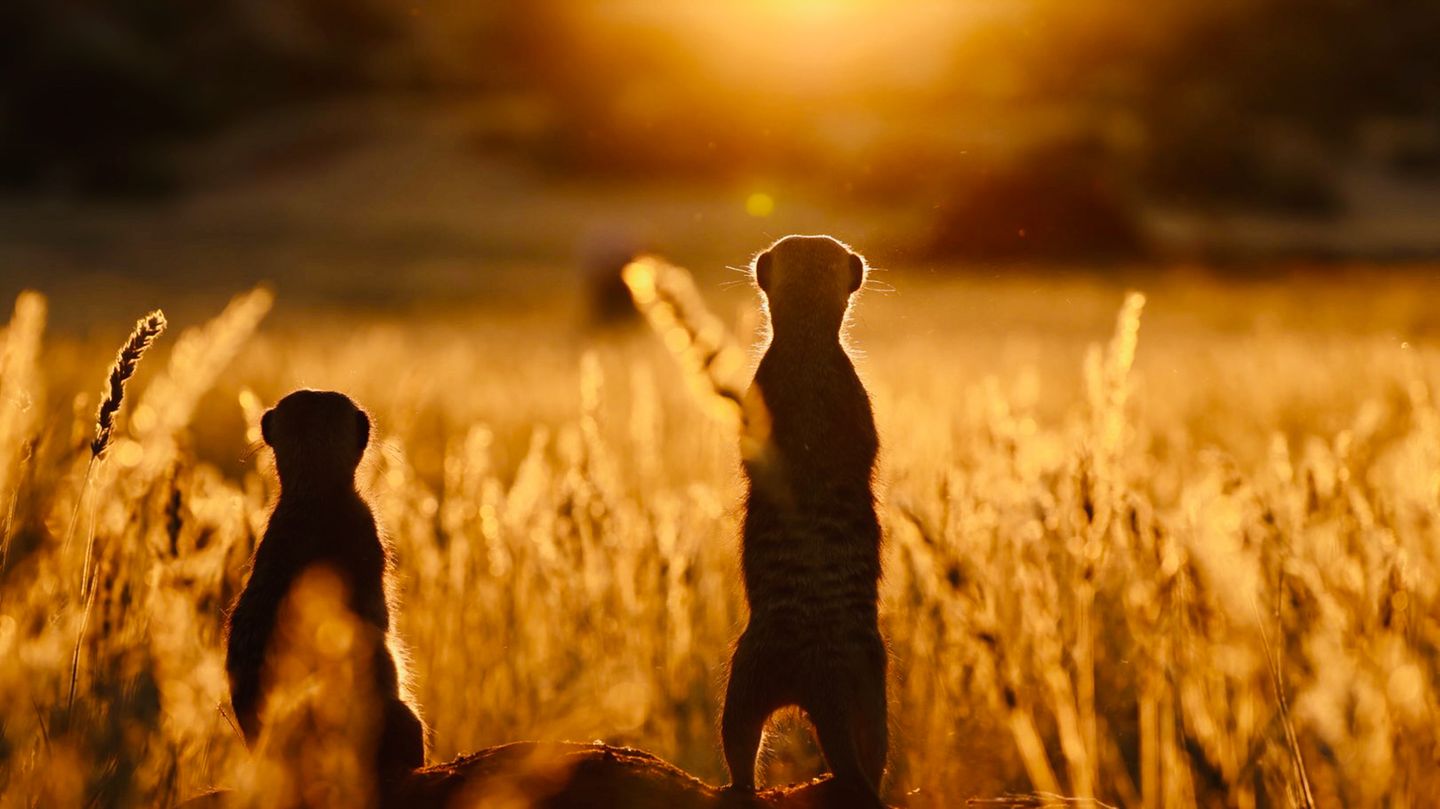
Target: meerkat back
[
  {"x": 810, "y": 553},
  {"x": 318, "y": 440}
]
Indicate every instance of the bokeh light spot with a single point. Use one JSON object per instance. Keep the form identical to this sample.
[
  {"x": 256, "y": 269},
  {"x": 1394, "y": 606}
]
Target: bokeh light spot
[
  {"x": 760, "y": 204},
  {"x": 128, "y": 453},
  {"x": 144, "y": 419}
]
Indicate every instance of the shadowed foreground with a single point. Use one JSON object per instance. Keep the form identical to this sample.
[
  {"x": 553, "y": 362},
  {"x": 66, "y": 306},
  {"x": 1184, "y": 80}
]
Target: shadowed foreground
[{"x": 570, "y": 775}]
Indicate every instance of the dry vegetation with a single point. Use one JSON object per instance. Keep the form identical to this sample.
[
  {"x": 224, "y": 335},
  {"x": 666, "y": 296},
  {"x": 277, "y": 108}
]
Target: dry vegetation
[{"x": 1183, "y": 559}]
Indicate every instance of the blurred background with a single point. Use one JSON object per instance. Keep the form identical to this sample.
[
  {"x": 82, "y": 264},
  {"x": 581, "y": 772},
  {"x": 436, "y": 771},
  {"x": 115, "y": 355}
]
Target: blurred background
[{"x": 384, "y": 153}]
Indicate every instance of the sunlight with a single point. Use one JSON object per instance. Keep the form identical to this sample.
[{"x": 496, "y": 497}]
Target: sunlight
[{"x": 807, "y": 47}]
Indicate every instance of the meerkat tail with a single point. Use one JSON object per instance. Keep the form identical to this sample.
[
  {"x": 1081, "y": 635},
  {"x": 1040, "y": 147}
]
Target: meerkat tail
[{"x": 667, "y": 296}]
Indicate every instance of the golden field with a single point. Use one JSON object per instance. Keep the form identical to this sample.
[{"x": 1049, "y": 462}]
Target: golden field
[{"x": 1164, "y": 551}]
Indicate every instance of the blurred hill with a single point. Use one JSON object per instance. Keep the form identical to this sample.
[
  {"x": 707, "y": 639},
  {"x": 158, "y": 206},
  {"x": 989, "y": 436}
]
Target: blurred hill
[
  {"x": 95, "y": 94},
  {"x": 392, "y": 203},
  {"x": 386, "y": 204}
]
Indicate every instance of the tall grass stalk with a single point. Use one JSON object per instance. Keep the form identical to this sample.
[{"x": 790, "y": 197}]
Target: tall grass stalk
[
  {"x": 21, "y": 405},
  {"x": 147, "y": 330},
  {"x": 667, "y": 296},
  {"x": 1301, "y": 773},
  {"x": 201, "y": 354}
]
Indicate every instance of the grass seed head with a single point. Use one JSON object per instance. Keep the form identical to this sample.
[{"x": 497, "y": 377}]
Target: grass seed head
[{"x": 147, "y": 330}]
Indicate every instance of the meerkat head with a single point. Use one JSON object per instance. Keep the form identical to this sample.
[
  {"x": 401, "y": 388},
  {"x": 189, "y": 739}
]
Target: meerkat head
[
  {"x": 808, "y": 281},
  {"x": 318, "y": 437}
]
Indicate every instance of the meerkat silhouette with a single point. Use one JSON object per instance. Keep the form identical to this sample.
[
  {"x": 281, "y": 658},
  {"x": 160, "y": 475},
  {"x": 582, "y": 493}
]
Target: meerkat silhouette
[
  {"x": 810, "y": 555},
  {"x": 320, "y": 519}
]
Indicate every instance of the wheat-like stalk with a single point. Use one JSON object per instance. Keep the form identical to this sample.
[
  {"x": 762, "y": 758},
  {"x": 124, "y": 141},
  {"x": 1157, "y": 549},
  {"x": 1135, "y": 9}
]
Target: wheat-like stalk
[
  {"x": 147, "y": 330},
  {"x": 717, "y": 366},
  {"x": 667, "y": 296},
  {"x": 200, "y": 355},
  {"x": 21, "y": 403}
]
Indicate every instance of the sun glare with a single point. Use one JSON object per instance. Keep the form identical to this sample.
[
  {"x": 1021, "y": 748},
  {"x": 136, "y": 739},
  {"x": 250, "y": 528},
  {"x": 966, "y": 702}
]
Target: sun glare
[{"x": 806, "y": 47}]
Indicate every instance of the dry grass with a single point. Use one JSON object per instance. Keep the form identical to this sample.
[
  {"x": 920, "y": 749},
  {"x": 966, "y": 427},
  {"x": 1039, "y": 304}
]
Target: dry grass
[{"x": 1183, "y": 559}]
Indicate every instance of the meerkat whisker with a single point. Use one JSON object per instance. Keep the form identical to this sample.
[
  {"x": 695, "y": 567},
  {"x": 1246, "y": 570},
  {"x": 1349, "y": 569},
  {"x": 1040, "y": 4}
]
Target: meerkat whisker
[
  {"x": 251, "y": 450},
  {"x": 391, "y": 450}
]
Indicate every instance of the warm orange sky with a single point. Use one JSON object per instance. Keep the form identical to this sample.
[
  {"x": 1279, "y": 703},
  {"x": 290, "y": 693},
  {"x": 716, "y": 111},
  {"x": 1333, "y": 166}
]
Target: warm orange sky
[
  {"x": 809, "y": 46},
  {"x": 805, "y": 47}
]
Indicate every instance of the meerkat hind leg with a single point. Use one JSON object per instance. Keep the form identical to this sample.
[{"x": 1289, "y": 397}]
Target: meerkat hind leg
[
  {"x": 853, "y": 734},
  {"x": 869, "y": 726},
  {"x": 750, "y": 698},
  {"x": 401, "y": 747},
  {"x": 842, "y": 753}
]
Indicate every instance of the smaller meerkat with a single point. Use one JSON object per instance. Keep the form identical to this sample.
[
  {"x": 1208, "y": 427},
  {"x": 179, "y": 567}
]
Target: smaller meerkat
[
  {"x": 320, "y": 519},
  {"x": 810, "y": 554}
]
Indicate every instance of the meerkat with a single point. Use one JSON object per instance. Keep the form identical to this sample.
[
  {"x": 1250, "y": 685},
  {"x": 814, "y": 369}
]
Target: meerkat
[
  {"x": 318, "y": 439},
  {"x": 810, "y": 554}
]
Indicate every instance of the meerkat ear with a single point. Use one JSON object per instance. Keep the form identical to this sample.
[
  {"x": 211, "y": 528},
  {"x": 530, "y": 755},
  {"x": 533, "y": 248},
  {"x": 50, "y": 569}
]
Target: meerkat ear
[
  {"x": 265, "y": 422},
  {"x": 857, "y": 272},
  {"x": 362, "y": 429},
  {"x": 762, "y": 271}
]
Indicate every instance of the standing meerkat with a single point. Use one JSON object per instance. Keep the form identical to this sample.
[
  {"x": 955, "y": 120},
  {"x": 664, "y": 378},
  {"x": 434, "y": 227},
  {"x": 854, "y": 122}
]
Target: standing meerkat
[
  {"x": 320, "y": 520},
  {"x": 811, "y": 548}
]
